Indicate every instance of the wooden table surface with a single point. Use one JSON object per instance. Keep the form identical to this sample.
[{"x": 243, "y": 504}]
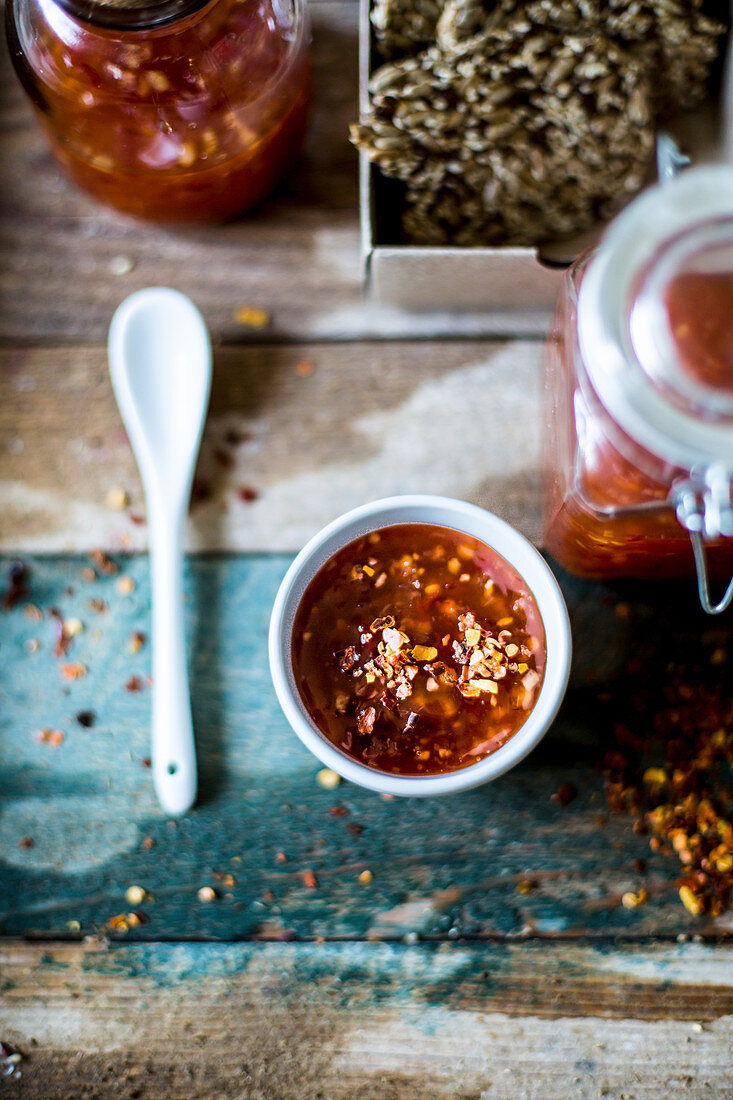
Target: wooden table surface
[{"x": 487, "y": 953}]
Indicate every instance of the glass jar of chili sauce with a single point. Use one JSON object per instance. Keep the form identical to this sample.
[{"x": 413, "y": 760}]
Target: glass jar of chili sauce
[
  {"x": 639, "y": 393},
  {"x": 173, "y": 110}
]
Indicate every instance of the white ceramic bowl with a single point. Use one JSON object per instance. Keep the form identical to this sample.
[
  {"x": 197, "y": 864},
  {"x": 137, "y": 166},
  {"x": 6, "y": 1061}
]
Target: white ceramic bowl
[{"x": 440, "y": 512}]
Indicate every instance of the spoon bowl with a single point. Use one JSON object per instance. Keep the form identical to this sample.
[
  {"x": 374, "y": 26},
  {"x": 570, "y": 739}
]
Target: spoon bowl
[{"x": 160, "y": 365}]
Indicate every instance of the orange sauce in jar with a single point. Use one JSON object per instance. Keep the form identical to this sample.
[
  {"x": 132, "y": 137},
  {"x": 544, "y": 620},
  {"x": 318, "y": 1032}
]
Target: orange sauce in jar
[
  {"x": 418, "y": 650},
  {"x": 175, "y": 117}
]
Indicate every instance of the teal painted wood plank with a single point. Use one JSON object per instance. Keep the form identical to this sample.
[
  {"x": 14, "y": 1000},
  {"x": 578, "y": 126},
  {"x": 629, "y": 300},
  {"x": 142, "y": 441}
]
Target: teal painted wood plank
[
  {"x": 443, "y": 868},
  {"x": 370, "y": 1021}
]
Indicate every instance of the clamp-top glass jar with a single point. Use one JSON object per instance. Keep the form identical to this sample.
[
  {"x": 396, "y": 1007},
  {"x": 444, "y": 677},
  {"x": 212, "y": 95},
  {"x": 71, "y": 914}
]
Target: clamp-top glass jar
[
  {"x": 174, "y": 110},
  {"x": 640, "y": 392}
]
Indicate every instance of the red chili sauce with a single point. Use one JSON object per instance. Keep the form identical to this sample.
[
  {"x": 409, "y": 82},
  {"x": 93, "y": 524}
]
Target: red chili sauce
[
  {"x": 700, "y": 311},
  {"x": 418, "y": 650}
]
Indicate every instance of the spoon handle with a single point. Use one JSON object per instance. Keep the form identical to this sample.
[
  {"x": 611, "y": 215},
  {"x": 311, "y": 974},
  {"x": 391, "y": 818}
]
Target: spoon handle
[{"x": 173, "y": 753}]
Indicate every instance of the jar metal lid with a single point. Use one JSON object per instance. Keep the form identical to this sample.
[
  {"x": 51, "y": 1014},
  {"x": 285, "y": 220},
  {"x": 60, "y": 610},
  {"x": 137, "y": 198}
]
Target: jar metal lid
[
  {"x": 131, "y": 15},
  {"x": 644, "y": 411}
]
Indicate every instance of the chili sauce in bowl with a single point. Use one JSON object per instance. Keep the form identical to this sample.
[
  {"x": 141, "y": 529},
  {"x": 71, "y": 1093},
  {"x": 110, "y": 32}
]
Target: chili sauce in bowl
[
  {"x": 419, "y": 645},
  {"x": 418, "y": 650}
]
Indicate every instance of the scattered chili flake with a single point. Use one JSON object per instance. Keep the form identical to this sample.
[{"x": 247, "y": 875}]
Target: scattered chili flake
[
  {"x": 207, "y": 893},
  {"x": 86, "y": 718},
  {"x": 677, "y": 785},
  {"x": 223, "y": 458},
  {"x": 17, "y": 588},
  {"x": 73, "y": 671},
  {"x": 125, "y": 586},
  {"x": 640, "y": 866},
  {"x": 97, "y": 605},
  {"x": 134, "y": 684},
  {"x": 146, "y": 761},
  {"x": 33, "y": 612},
  {"x": 247, "y": 494},
  {"x": 137, "y": 641},
  {"x": 117, "y": 499},
  {"x": 280, "y": 857},
  {"x": 304, "y": 368},
  {"x": 565, "y": 794},
  {"x": 103, "y": 563},
  {"x": 338, "y": 811},
  {"x": 200, "y": 490},
  {"x": 310, "y": 880},
  {"x": 136, "y": 519},
  {"x": 328, "y": 779},
  {"x": 268, "y": 895},
  {"x": 147, "y": 843},
  {"x": 252, "y": 317},
  {"x": 88, "y": 574},
  {"x": 365, "y": 878},
  {"x": 633, "y": 901},
  {"x": 50, "y": 737},
  {"x": 10, "y": 1059},
  {"x": 354, "y": 829},
  {"x": 526, "y": 886},
  {"x": 26, "y": 842},
  {"x": 234, "y": 437}
]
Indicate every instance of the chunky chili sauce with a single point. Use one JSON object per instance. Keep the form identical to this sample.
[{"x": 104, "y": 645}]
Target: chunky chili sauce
[
  {"x": 193, "y": 121},
  {"x": 418, "y": 650},
  {"x": 700, "y": 311},
  {"x": 605, "y": 516}
]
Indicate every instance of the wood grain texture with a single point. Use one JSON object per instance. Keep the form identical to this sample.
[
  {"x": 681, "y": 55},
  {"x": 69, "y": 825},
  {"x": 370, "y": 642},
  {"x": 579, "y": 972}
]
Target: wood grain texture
[
  {"x": 458, "y": 418},
  {"x": 287, "y": 1022},
  {"x": 441, "y": 868},
  {"x": 298, "y": 255}
]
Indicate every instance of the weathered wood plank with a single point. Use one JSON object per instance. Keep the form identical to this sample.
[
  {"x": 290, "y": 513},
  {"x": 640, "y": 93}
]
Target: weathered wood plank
[
  {"x": 298, "y": 256},
  {"x": 373, "y": 1021},
  {"x": 440, "y": 868},
  {"x": 457, "y": 418}
]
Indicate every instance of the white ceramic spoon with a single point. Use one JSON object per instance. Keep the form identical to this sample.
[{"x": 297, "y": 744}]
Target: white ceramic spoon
[{"x": 160, "y": 363}]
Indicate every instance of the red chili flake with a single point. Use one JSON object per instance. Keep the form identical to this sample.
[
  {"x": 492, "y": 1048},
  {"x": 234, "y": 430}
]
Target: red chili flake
[
  {"x": 310, "y": 880},
  {"x": 200, "y": 490},
  {"x": 677, "y": 784},
  {"x": 640, "y": 866},
  {"x": 73, "y": 671},
  {"x": 146, "y": 761},
  {"x": 26, "y": 842},
  {"x": 17, "y": 589},
  {"x": 134, "y": 684},
  {"x": 86, "y": 718},
  {"x": 97, "y": 605},
  {"x": 103, "y": 563},
  {"x": 247, "y": 494},
  {"x": 50, "y": 737},
  {"x": 280, "y": 857},
  {"x": 304, "y": 368},
  {"x": 223, "y": 457},
  {"x": 354, "y": 829},
  {"x": 147, "y": 843},
  {"x": 136, "y": 519},
  {"x": 234, "y": 437},
  {"x": 88, "y": 574},
  {"x": 338, "y": 811},
  {"x": 565, "y": 794},
  {"x": 63, "y": 638},
  {"x": 268, "y": 895}
]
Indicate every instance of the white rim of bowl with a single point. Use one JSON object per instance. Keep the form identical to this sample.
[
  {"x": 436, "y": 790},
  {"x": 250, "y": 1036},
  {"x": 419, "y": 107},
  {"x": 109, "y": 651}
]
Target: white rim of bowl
[{"x": 467, "y": 519}]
